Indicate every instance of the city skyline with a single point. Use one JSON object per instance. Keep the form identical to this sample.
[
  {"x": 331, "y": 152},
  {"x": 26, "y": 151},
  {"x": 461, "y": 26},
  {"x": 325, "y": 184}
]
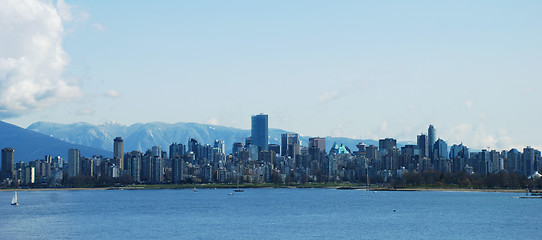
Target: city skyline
[{"x": 363, "y": 70}]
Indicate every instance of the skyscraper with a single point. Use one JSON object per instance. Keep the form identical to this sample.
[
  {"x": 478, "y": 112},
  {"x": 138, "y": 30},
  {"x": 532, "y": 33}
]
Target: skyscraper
[
  {"x": 73, "y": 162},
  {"x": 318, "y": 142},
  {"x": 387, "y": 143},
  {"x": 259, "y": 131},
  {"x": 423, "y": 145},
  {"x": 118, "y": 152},
  {"x": 8, "y": 163},
  {"x": 289, "y": 143},
  {"x": 431, "y": 137}
]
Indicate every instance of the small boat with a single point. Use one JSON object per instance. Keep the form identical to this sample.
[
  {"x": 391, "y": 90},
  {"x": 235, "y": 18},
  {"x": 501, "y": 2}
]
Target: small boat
[
  {"x": 231, "y": 193},
  {"x": 14, "y": 201},
  {"x": 238, "y": 189}
]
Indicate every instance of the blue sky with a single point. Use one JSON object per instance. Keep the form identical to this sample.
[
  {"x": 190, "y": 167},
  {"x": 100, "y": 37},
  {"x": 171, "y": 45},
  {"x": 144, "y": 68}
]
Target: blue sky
[{"x": 361, "y": 69}]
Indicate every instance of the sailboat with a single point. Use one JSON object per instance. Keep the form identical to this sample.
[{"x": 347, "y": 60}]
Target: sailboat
[
  {"x": 238, "y": 189},
  {"x": 14, "y": 199}
]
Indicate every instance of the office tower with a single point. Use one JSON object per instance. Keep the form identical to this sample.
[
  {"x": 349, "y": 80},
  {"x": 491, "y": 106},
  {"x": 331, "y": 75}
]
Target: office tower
[
  {"x": 318, "y": 142},
  {"x": 459, "y": 151},
  {"x": 219, "y": 146},
  {"x": 73, "y": 162},
  {"x": 514, "y": 160},
  {"x": 410, "y": 150},
  {"x": 431, "y": 137},
  {"x": 388, "y": 144},
  {"x": 8, "y": 163},
  {"x": 440, "y": 149},
  {"x": 259, "y": 131},
  {"x": 135, "y": 158},
  {"x": 176, "y": 149},
  {"x": 237, "y": 146},
  {"x": 157, "y": 165},
  {"x": 528, "y": 161},
  {"x": 196, "y": 148},
  {"x": 177, "y": 169},
  {"x": 289, "y": 143},
  {"x": 118, "y": 152},
  {"x": 372, "y": 152},
  {"x": 423, "y": 145},
  {"x": 274, "y": 147}
]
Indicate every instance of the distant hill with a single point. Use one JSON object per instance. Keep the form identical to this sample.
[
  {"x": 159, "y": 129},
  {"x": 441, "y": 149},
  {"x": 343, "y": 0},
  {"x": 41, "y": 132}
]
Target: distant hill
[
  {"x": 142, "y": 136},
  {"x": 30, "y": 145}
]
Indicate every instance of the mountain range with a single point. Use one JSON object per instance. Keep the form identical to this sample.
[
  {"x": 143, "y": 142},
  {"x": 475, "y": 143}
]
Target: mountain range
[
  {"x": 142, "y": 136},
  {"x": 31, "y": 145}
]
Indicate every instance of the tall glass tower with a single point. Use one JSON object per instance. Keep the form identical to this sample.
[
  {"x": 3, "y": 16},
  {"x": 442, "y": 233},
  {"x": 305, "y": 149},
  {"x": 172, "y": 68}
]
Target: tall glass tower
[
  {"x": 8, "y": 163},
  {"x": 118, "y": 152},
  {"x": 259, "y": 132},
  {"x": 431, "y": 137}
]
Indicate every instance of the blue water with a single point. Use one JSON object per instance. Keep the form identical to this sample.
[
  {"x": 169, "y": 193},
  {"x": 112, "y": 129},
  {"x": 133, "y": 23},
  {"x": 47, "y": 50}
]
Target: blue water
[{"x": 268, "y": 214}]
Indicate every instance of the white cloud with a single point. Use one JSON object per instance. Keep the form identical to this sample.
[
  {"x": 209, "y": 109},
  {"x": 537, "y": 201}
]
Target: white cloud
[
  {"x": 476, "y": 136},
  {"x": 213, "y": 121},
  {"x": 469, "y": 104},
  {"x": 32, "y": 60},
  {"x": 64, "y": 11},
  {"x": 328, "y": 96},
  {"x": 99, "y": 27},
  {"x": 85, "y": 112},
  {"x": 113, "y": 94}
]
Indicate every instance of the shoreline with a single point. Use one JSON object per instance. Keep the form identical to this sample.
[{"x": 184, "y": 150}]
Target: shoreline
[{"x": 154, "y": 187}]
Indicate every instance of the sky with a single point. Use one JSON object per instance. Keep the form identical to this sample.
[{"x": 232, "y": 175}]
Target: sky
[{"x": 359, "y": 69}]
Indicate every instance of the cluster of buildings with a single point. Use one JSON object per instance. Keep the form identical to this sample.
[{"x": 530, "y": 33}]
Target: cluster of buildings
[{"x": 257, "y": 161}]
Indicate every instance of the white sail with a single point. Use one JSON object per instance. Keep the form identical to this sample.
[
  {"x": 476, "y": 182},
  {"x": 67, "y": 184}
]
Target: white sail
[{"x": 14, "y": 199}]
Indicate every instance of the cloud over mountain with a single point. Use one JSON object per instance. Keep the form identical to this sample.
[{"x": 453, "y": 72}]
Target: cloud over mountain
[{"x": 32, "y": 59}]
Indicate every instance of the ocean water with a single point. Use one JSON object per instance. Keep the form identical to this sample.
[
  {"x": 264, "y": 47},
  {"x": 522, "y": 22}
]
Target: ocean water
[{"x": 268, "y": 214}]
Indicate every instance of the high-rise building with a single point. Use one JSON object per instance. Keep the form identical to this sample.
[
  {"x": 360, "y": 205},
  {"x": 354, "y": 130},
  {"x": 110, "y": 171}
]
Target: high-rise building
[
  {"x": 237, "y": 146},
  {"x": 514, "y": 160},
  {"x": 274, "y": 147},
  {"x": 431, "y": 137},
  {"x": 387, "y": 144},
  {"x": 528, "y": 161},
  {"x": 74, "y": 163},
  {"x": 8, "y": 163},
  {"x": 318, "y": 142},
  {"x": 176, "y": 149},
  {"x": 219, "y": 146},
  {"x": 289, "y": 143},
  {"x": 259, "y": 131},
  {"x": 440, "y": 149},
  {"x": 423, "y": 145},
  {"x": 118, "y": 152}
]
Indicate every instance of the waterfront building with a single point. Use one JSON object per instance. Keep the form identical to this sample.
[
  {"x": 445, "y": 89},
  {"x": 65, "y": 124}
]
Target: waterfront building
[
  {"x": 259, "y": 131},
  {"x": 514, "y": 160},
  {"x": 8, "y": 163},
  {"x": 135, "y": 158},
  {"x": 528, "y": 161},
  {"x": 177, "y": 168},
  {"x": 74, "y": 162}
]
